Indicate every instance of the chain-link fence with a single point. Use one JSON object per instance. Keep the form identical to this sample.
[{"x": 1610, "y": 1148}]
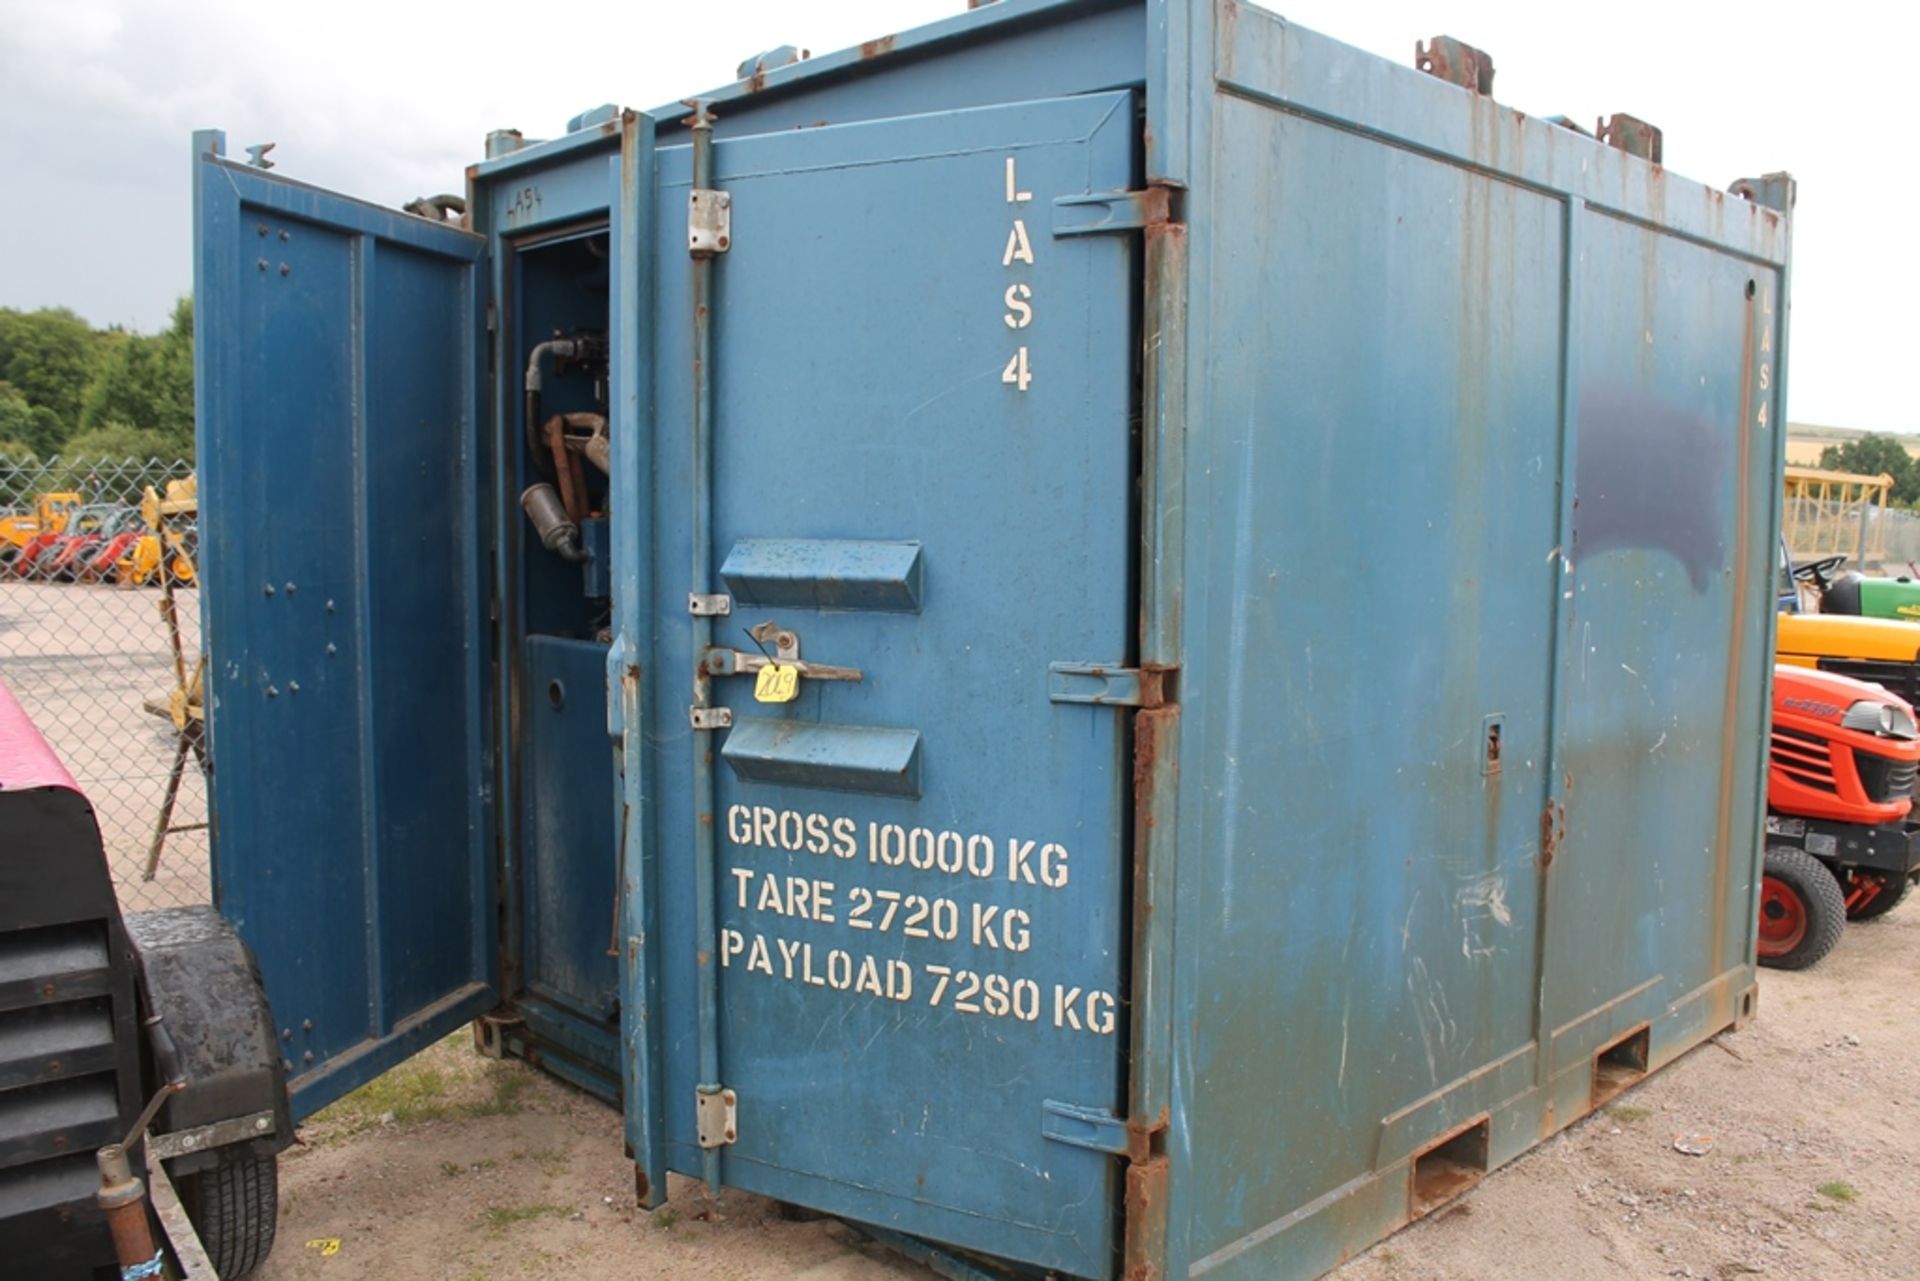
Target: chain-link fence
[
  {"x": 1898, "y": 537},
  {"x": 86, "y": 647},
  {"x": 1874, "y": 539}
]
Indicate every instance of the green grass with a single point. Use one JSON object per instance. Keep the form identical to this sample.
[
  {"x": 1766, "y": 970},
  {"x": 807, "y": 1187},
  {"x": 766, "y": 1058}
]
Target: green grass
[
  {"x": 1628, "y": 1114},
  {"x": 1838, "y": 1191},
  {"x": 417, "y": 1092},
  {"x": 665, "y": 1217},
  {"x": 507, "y": 1082},
  {"x": 501, "y": 1217},
  {"x": 551, "y": 1161},
  {"x": 407, "y": 1094}
]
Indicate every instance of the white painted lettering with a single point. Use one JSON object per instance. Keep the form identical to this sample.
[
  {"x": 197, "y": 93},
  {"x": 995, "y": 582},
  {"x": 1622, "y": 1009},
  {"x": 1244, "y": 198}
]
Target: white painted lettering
[
  {"x": 1018, "y": 854},
  {"x": 1053, "y": 866},
  {"x": 920, "y": 848},
  {"x": 1101, "y": 1013},
  {"x": 1066, "y": 1011},
  {"x": 1019, "y": 248},
  {"x": 1017, "y": 927},
  {"x": 1015, "y": 196},
  {"x": 980, "y": 856},
  {"x": 1019, "y": 311},
  {"x": 984, "y": 934}
]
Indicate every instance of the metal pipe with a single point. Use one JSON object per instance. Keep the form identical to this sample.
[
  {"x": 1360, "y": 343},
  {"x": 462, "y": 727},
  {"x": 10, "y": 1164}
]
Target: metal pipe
[
  {"x": 122, "y": 1195},
  {"x": 536, "y": 380},
  {"x": 123, "y": 1202},
  {"x": 705, "y": 853}
]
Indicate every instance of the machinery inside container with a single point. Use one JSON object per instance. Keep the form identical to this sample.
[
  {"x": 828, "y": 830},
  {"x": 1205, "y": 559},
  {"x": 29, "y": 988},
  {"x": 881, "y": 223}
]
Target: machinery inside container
[{"x": 560, "y": 964}]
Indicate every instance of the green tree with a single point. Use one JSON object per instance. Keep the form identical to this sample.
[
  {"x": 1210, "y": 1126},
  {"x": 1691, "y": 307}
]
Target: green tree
[
  {"x": 49, "y": 356},
  {"x": 1875, "y": 454},
  {"x": 47, "y": 431},
  {"x": 116, "y": 443},
  {"x": 16, "y": 415},
  {"x": 147, "y": 382}
]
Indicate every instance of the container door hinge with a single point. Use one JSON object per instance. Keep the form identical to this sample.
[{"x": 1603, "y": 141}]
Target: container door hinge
[
  {"x": 714, "y": 1116},
  {"x": 1100, "y": 212},
  {"x": 1093, "y": 1128},
  {"x": 1108, "y": 684},
  {"x": 709, "y": 222}
]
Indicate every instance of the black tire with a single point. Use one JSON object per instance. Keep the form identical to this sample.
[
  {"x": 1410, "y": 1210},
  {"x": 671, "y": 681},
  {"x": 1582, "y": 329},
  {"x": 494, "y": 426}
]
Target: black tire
[
  {"x": 235, "y": 1207},
  {"x": 1801, "y": 909},
  {"x": 1883, "y": 902}
]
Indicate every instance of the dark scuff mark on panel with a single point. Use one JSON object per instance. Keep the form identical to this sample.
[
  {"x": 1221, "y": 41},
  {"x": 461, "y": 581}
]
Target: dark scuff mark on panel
[{"x": 1637, "y": 481}]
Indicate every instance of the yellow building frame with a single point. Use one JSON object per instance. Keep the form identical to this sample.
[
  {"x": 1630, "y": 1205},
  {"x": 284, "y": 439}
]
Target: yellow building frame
[{"x": 1835, "y": 513}]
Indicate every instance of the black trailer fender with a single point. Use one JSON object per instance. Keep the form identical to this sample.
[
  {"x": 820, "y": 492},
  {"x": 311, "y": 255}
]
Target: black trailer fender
[{"x": 201, "y": 979}]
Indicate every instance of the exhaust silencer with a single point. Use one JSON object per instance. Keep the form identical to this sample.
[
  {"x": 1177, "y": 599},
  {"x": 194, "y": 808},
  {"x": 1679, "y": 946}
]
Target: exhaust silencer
[{"x": 557, "y": 533}]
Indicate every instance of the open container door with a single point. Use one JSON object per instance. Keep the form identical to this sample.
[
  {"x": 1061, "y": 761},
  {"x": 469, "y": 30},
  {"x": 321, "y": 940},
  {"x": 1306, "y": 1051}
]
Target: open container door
[{"x": 336, "y": 348}]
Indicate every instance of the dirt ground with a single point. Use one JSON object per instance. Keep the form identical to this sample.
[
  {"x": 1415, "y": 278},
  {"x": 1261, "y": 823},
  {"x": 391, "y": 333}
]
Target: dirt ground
[{"x": 454, "y": 1167}]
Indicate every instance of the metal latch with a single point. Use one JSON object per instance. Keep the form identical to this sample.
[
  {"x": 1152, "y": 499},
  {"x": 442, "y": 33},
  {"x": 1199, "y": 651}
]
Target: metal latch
[
  {"x": 1082, "y": 1127},
  {"x": 1099, "y": 212},
  {"x": 1107, "y": 684},
  {"x": 710, "y": 717},
  {"x": 715, "y": 606},
  {"x": 720, "y": 661},
  {"x": 709, "y": 222},
  {"x": 714, "y": 1116}
]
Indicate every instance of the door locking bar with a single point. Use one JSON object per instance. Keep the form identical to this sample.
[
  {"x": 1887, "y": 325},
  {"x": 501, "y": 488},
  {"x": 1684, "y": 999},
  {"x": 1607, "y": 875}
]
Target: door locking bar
[
  {"x": 736, "y": 662},
  {"x": 721, "y": 661}
]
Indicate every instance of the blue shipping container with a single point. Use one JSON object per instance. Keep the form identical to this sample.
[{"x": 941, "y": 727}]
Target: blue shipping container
[{"x": 1145, "y": 651}]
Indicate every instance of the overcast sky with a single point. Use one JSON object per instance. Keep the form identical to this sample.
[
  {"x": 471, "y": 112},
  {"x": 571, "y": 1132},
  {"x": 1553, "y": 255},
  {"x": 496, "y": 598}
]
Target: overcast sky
[{"x": 389, "y": 100}]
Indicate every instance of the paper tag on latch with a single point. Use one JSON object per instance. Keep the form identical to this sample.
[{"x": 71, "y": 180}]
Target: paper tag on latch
[{"x": 776, "y": 683}]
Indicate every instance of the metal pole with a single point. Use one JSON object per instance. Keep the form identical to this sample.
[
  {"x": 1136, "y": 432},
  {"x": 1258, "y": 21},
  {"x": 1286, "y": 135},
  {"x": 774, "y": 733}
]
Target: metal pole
[
  {"x": 1867, "y": 495},
  {"x": 705, "y": 856}
]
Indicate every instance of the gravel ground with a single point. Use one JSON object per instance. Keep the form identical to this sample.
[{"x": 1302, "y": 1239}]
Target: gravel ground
[
  {"x": 82, "y": 658},
  {"x": 455, "y": 1167}
]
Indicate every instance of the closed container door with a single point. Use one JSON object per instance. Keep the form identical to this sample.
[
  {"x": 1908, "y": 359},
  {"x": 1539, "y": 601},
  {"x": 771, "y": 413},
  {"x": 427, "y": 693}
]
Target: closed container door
[
  {"x": 1661, "y": 739},
  {"x": 335, "y": 378},
  {"x": 922, "y": 488}
]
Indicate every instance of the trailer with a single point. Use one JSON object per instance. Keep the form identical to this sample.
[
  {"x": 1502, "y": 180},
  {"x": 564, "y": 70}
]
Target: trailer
[{"x": 862, "y": 615}]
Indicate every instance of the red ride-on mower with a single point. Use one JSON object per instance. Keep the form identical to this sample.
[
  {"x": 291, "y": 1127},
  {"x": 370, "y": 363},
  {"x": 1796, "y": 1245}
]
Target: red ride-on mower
[{"x": 1841, "y": 844}]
